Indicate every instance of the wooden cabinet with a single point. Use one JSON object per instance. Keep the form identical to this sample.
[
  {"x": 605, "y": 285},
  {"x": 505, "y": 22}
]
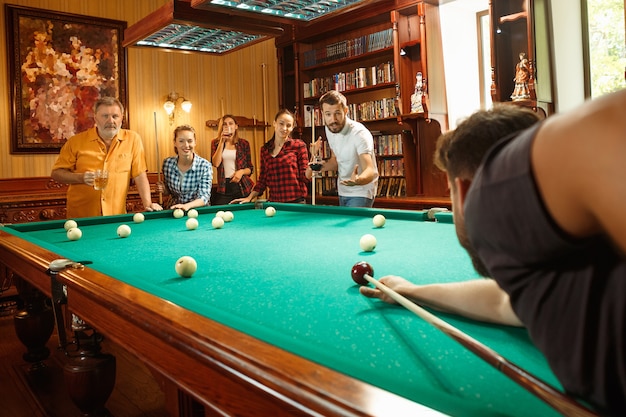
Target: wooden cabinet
[
  {"x": 520, "y": 54},
  {"x": 375, "y": 60}
]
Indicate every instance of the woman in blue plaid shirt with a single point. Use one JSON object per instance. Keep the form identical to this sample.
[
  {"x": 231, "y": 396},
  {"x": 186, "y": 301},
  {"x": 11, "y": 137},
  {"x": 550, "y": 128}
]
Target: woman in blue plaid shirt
[{"x": 187, "y": 176}]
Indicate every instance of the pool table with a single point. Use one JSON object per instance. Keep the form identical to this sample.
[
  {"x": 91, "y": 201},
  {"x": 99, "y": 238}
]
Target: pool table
[{"x": 271, "y": 323}]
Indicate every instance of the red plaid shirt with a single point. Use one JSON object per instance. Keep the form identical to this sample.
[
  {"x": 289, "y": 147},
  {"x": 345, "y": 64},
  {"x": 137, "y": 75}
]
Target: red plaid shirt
[
  {"x": 243, "y": 160},
  {"x": 284, "y": 174}
]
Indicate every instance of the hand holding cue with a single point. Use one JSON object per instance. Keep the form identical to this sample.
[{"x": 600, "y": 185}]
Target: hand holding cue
[{"x": 553, "y": 397}]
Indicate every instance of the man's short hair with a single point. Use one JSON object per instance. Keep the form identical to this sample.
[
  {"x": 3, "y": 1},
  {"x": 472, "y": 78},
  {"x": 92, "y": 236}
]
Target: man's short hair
[
  {"x": 108, "y": 101},
  {"x": 332, "y": 98},
  {"x": 460, "y": 151}
]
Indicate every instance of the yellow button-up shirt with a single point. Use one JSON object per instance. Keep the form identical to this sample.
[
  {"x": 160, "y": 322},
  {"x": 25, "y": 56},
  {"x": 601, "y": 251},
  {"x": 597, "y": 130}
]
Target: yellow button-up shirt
[{"x": 87, "y": 152}]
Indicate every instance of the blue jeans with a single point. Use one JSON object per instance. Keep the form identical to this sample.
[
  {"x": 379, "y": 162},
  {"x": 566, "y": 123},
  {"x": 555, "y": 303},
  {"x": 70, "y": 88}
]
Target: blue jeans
[{"x": 355, "y": 201}]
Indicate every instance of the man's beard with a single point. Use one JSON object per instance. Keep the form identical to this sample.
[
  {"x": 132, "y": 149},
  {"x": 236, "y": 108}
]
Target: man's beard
[
  {"x": 336, "y": 127},
  {"x": 478, "y": 264},
  {"x": 107, "y": 133}
]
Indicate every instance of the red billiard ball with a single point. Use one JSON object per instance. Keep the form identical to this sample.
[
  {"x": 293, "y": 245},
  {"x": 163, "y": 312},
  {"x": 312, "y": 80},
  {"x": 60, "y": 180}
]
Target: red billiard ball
[{"x": 359, "y": 270}]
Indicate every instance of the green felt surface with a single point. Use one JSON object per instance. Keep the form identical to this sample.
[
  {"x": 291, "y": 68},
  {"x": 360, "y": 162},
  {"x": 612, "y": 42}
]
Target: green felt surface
[{"x": 286, "y": 280}]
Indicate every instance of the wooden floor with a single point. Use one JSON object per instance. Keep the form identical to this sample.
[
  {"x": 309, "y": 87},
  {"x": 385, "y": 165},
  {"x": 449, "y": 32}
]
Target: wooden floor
[{"x": 41, "y": 393}]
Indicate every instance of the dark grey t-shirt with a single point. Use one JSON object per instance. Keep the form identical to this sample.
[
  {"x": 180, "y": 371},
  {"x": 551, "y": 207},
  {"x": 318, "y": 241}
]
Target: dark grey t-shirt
[{"x": 570, "y": 294}]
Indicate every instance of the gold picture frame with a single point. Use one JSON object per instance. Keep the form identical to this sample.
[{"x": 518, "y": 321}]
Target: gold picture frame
[{"x": 59, "y": 65}]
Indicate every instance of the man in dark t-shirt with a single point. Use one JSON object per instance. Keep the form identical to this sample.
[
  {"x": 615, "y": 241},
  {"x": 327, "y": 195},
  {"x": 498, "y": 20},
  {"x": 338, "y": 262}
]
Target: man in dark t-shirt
[{"x": 544, "y": 216}]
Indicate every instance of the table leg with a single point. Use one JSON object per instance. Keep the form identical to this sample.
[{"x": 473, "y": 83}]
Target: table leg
[
  {"x": 34, "y": 324},
  {"x": 90, "y": 375}
]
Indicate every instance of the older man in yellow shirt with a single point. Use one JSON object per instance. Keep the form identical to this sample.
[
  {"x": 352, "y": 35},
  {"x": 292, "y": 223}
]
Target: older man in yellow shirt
[{"x": 103, "y": 147}]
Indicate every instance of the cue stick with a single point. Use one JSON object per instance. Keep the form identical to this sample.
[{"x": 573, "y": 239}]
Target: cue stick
[
  {"x": 553, "y": 397},
  {"x": 156, "y": 140},
  {"x": 312, "y": 147}
]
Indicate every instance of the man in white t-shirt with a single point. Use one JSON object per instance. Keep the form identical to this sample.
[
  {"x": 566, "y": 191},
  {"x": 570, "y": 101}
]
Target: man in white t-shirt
[{"x": 352, "y": 153}]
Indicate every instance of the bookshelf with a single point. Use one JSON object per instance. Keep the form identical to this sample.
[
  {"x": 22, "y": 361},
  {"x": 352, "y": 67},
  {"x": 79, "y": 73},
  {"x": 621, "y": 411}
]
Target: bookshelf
[{"x": 374, "y": 62}]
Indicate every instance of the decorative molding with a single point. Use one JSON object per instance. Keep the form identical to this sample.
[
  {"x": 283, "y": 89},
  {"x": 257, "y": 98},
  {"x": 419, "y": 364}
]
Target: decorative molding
[
  {"x": 37, "y": 199},
  {"x": 242, "y": 121}
]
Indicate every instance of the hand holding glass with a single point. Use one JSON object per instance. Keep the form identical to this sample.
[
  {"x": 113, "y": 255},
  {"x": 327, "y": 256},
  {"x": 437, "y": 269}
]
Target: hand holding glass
[{"x": 101, "y": 179}]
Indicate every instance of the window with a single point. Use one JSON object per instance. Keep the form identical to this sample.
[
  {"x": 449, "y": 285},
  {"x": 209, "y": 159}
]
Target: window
[{"x": 605, "y": 48}]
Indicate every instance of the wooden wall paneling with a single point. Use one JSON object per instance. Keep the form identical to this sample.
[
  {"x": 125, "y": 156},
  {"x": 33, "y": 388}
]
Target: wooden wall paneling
[{"x": 41, "y": 198}]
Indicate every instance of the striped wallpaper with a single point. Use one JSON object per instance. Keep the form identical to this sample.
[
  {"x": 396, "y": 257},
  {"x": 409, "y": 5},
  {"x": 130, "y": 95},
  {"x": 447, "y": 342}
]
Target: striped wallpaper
[{"x": 232, "y": 83}]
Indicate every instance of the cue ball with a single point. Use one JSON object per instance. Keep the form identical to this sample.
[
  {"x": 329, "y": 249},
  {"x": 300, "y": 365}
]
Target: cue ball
[
  {"x": 368, "y": 242},
  {"x": 228, "y": 216},
  {"x": 70, "y": 224},
  {"x": 191, "y": 223},
  {"x": 379, "y": 220},
  {"x": 123, "y": 230},
  {"x": 192, "y": 214},
  {"x": 217, "y": 222},
  {"x": 186, "y": 266},
  {"x": 139, "y": 217},
  {"x": 178, "y": 213},
  {"x": 220, "y": 214},
  {"x": 74, "y": 233},
  {"x": 270, "y": 211},
  {"x": 359, "y": 270}
]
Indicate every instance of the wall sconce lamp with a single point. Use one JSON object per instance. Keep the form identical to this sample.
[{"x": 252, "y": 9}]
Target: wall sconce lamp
[
  {"x": 170, "y": 105},
  {"x": 402, "y": 52}
]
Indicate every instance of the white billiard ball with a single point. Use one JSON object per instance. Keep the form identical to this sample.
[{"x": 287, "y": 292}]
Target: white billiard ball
[
  {"x": 139, "y": 217},
  {"x": 220, "y": 214},
  {"x": 368, "y": 242},
  {"x": 217, "y": 222},
  {"x": 74, "y": 233},
  {"x": 379, "y": 220},
  {"x": 270, "y": 211},
  {"x": 178, "y": 213},
  {"x": 186, "y": 266},
  {"x": 191, "y": 223},
  {"x": 70, "y": 224},
  {"x": 228, "y": 216},
  {"x": 192, "y": 214},
  {"x": 123, "y": 230}
]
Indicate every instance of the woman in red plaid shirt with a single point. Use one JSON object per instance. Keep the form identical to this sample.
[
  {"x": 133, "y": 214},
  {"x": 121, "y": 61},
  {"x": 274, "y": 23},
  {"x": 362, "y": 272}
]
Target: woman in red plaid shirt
[{"x": 284, "y": 165}]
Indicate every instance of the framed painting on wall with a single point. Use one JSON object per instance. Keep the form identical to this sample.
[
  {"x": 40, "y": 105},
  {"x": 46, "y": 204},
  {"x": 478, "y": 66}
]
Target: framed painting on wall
[{"x": 60, "y": 64}]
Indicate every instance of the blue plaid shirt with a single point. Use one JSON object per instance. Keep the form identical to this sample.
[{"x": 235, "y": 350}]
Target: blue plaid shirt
[{"x": 193, "y": 184}]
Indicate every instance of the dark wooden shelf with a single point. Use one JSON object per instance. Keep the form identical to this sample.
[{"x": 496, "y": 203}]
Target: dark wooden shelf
[
  {"x": 417, "y": 132},
  {"x": 380, "y": 86},
  {"x": 349, "y": 59},
  {"x": 242, "y": 121}
]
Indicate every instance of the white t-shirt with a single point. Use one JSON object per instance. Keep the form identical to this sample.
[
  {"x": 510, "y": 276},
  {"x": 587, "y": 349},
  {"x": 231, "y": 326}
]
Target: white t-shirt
[
  {"x": 228, "y": 159},
  {"x": 353, "y": 140}
]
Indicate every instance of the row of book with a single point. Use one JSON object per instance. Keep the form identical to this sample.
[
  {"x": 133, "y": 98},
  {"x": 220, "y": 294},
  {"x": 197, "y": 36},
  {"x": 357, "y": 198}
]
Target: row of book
[
  {"x": 390, "y": 167},
  {"x": 344, "y": 81},
  {"x": 391, "y": 187},
  {"x": 388, "y": 144},
  {"x": 369, "y": 110},
  {"x": 387, "y": 186},
  {"x": 372, "y": 110},
  {"x": 348, "y": 48},
  {"x": 326, "y": 185}
]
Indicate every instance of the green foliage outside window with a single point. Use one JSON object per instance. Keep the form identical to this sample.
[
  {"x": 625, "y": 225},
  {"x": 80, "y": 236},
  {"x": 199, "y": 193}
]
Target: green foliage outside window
[{"x": 607, "y": 46}]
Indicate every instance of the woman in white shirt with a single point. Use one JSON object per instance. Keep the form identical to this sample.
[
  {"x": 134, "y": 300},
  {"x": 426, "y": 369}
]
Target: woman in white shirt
[{"x": 231, "y": 156}]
